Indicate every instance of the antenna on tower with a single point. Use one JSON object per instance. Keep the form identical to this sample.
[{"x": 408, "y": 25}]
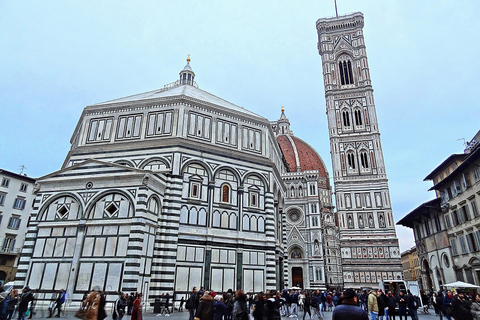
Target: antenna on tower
[{"x": 336, "y": 11}]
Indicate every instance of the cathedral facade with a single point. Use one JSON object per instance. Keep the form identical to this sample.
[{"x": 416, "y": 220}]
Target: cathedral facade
[{"x": 369, "y": 245}]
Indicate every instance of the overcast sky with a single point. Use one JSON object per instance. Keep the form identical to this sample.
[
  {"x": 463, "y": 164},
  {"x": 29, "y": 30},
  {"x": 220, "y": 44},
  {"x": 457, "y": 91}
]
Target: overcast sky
[{"x": 56, "y": 57}]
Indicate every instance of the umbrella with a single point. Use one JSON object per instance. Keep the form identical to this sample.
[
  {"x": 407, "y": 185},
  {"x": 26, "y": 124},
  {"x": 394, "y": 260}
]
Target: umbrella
[
  {"x": 460, "y": 284},
  {"x": 295, "y": 288}
]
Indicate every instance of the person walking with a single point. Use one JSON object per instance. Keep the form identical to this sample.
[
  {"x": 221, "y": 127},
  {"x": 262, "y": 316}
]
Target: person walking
[
  {"x": 306, "y": 306},
  {"x": 461, "y": 307},
  {"x": 205, "y": 307},
  {"x": 182, "y": 302},
  {"x": 373, "y": 305},
  {"x": 258, "y": 307},
  {"x": 392, "y": 304},
  {"x": 413, "y": 302},
  {"x": 382, "y": 304},
  {"x": 475, "y": 307},
  {"x": 240, "y": 311},
  {"x": 192, "y": 303},
  {"x": 402, "y": 305},
  {"x": 137, "y": 308},
  {"x": 349, "y": 308},
  {"x": 119, "y": 307},
  {"x": 59, "y": 302},
  {"x": 25, "y": 298},
  {"x": 12, "y": 303},
  {"x": 219, "y": 308}
]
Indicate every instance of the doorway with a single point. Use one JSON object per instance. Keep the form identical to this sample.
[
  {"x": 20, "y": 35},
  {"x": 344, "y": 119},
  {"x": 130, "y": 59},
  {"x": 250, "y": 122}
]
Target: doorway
[{"x": 297, "y": 277}]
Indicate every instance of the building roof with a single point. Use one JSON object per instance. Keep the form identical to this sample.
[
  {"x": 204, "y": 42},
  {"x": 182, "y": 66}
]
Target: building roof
[
  {"x": 422, "y": 210},
  {"x": 299, "y": 155},
  {"x": 17, "y": 176},
  {"x": 448, "y": 161}
]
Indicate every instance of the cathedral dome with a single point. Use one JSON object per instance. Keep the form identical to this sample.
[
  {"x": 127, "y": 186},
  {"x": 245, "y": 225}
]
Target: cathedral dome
[{"x": 299, "y": 155}]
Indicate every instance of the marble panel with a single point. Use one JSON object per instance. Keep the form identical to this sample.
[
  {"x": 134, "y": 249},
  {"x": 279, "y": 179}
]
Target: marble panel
[
  {"x": 228, "y": 279},
  {"x": 59, "y": 247},
  {"x": 62, "y": 276},
  {"x": 181, "y": 275},
  {"x": 110, "y": 230},
  {"x": 223, "y": 256},
  {"x": 57, "y": 232},
  {"x": 70, "y": 231},
  {"x": 49, "y": 276},
  {"x": 122, "y": 246},
  {"x": 111, "y": 246},
  {"x": 124, "y": 209},
  {"x": 49, "y": 246},
  {"x": 114, "y": 277},
  {"x": 215, "y": 255},
  {"x": 99, "y": 249},
  {"x": 36, "y": 272},
  {"x": 151, "y": 244},
  {"x": 94, "y": 230},
  {"x": 258, "y": 284},
  {"x": 44, "y": 232},
  {"x": 84, "y": 276},
  {"x": 248, "y": 280},
  {"x": 124, "y": 230},
  {"x": 199, "y": 252},
  {"x": 88, "y": 247},
  {"x": 190, "y": 254},
  {"x": 99, "y": 275},
  {"x": 181, "y": 253},
  {"x": 217, "y": 280},
  {"x": 70, "y": 247},
  {"x": 246, "y": 257},
  {"x": 38, "y": 250},
  {"x": 253, "y": 258},
  {"x": 196, "y": 277},
  {"x": 231, "y": 257}
]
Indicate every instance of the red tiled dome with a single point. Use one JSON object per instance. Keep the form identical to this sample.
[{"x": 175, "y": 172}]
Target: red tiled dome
[{"x": 308, "y": 158}]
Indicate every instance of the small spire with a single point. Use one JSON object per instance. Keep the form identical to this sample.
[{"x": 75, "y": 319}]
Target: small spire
[
  {"x": 283, "y": 109},
  {"x": 188, "y": 57},
  {"x": 187, "y": 75}
]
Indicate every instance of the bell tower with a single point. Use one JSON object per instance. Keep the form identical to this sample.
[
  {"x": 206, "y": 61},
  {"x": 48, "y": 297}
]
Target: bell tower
[{"x": 369, "y": 245}]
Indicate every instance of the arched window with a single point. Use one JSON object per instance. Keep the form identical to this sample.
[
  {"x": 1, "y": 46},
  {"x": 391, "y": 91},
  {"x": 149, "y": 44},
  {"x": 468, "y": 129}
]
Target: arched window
[
  {"x": 351, "y": 160},
  {"x": 346, "y": 76},
  {"x": 364, "y": 160},
  {"x": 346, "y": 118},
  {"x": 358, "y": 118},
  {"x": 226, "y": 193}
]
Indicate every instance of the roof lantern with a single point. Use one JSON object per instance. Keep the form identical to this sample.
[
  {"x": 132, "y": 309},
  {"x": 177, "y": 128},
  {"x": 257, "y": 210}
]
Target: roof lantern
[
  {"x": 187, "y": 75},
  {"x": 283, "y": 123}
]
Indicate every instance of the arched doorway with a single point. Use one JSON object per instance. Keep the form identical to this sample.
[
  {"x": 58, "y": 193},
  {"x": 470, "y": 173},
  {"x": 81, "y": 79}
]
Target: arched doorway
[
  {"x": 426, "y": 275},
  {"x": 297, "y": 277}
]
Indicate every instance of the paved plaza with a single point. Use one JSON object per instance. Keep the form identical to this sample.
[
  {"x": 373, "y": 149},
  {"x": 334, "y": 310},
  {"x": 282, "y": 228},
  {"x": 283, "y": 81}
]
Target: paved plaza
[{"x": 43, "y": 314}]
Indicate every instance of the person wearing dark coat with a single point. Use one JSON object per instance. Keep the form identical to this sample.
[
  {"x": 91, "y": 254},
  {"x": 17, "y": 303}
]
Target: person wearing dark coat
[
  {"x": 391, "y": 304},
  {"x": 219, "y": 308},
  {"x": 381, "y": 302},
  {"x": 349, "y": 308},
  {"x": 306, "y": 306},
  {"x": 272, "y": 307},
  {"x": 258, "y": 307},
  {"x": 25, "y": 298},
  {"x": 192, "y": 303},
  {"x": 205, "y": 307},
  {"x": 402, "y": 305},
  {"x": 119, "y": 307},
  {"x": 412, "y": 304},
  {"x": 102, "y": 314},
  {"x": 240, "y": 310},
  {"x": 461, "y": 307}
]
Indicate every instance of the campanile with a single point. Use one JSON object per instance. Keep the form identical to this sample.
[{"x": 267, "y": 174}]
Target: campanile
[{"x": 369, "y": 245}]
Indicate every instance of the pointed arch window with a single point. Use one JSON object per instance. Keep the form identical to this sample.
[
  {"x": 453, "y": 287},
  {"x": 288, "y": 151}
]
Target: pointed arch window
[
  {"x": 226, "y": 192},
  {"x": 364, "y": 159},
  {"x": 346, "y": 118},
  {"x": 351, "y": 161},
  {"x": 346, "y": 76},
  {"x": 358, "y": 118}
]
